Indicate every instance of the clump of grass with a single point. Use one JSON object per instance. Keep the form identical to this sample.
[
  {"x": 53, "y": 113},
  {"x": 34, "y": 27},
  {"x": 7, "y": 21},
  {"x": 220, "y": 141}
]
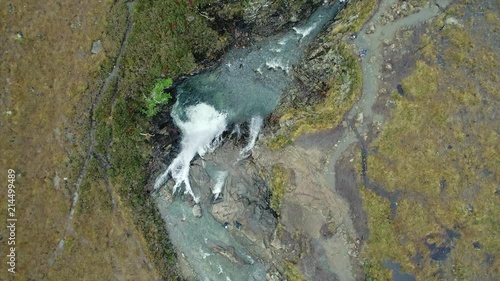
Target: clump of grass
[{"x": 157, "y": 96}]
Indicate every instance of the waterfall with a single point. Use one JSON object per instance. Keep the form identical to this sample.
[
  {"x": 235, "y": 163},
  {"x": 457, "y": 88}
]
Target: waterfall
[
  {"x": 247, "y": 85},
  {"x": 220, "y": 179},
  {"x": 255, "y": 125},
  {"x": 304, "y": 31},
  {"x": 200, "y": 132}
]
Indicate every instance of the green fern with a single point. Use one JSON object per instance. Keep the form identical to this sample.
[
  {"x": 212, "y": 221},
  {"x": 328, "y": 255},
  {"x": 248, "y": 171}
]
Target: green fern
[{"x": 158, "y": 96}]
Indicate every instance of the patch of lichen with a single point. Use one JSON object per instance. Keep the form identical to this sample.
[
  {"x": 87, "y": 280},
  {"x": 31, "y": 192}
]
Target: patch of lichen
[
  {"x": 437, "y": 151},
  {"x": 343, "y": 91},
  {"x": 279, "y": 182}
]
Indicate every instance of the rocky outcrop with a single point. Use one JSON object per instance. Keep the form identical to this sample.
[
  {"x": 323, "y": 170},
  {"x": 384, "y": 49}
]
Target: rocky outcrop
[{"x": 260, "y": 17}]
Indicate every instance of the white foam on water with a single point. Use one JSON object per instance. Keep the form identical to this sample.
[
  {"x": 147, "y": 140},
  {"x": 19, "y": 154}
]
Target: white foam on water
[
  {"x": 220, "y": 179},
  {"x": 304, "y": 31},
  {"x": 283, "y": 41},
  {"x": 237, "y": 131},
  {"x": 200, "y": 133},
  {"x": 276, "y": 64},
  {"x": 255, "y": 126}
]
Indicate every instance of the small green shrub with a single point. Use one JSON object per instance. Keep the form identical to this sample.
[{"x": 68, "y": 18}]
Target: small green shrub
[{"x": 157, "y": 96}]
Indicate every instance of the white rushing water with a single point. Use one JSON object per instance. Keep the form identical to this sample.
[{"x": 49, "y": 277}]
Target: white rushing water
[
  {"x": 219, "y": 183},
  {"x": 200, "y": 133},
  {"x": 304, "y": 31},
  {"x": 255, "y": 126}
]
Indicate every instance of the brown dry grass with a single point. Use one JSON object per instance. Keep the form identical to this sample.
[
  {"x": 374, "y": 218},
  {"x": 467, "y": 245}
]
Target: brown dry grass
[{"x": 47, "y": 83}]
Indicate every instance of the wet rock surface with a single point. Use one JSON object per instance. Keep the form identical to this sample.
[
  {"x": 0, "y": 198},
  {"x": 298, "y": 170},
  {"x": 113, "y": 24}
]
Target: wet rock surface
[{"x": 261, "y": 17}]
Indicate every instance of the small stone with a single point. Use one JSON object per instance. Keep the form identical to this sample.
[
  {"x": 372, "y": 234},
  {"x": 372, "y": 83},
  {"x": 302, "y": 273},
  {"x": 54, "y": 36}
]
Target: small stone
[
  {"x": 360, "y": 118},
  {"x": 190, "y": 18},
  {"x": 12, "y": 9},
  {"x": 370, "y": 29},
  {"x": 453, "y": 21},
  {"x": 386, "y": 42},
  {"x": 197, "y": 211},
  {"x": 470, "y": 208},
  {"x": 391, "y": 104},
  {"x": 404, "y": 6},
  {"x": 96, "y": 47},
  {"x": 57, "y": 181},
  {"x": 344, "y": 124},
  {"x": 328, "y": 230},
  {"x": 363, "y": 52},
  {"x": 388, "y": 66}
]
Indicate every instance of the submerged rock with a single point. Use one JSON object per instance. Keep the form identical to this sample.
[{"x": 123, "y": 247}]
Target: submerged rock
[{"x": 197, "y": 211}]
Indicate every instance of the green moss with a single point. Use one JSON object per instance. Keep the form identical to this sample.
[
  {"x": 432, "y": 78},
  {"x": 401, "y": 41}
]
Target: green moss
[
  {"x": 292, "y": 273},
  {"x": 435, "y": 151},
  {"x": 460, "y": 42},
  {"x": 343, "y": 91},
  {"x": 279, "y": 182},
  {"x": 278, "y": 142}
]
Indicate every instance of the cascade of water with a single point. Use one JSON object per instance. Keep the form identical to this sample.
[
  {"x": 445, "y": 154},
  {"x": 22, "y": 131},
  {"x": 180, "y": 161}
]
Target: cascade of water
[
  {"x": 255, "y": 125},
  {"x": 237, "y": 131},
  {"x": 220, "y": 178},
  {"x": 306, "y": 30},
  {"x": 204, "y": 124}
]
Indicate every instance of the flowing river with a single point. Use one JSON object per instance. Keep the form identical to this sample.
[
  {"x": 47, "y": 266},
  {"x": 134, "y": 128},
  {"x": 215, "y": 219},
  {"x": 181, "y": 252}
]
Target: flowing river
[{"x": 243, "y": 89}]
